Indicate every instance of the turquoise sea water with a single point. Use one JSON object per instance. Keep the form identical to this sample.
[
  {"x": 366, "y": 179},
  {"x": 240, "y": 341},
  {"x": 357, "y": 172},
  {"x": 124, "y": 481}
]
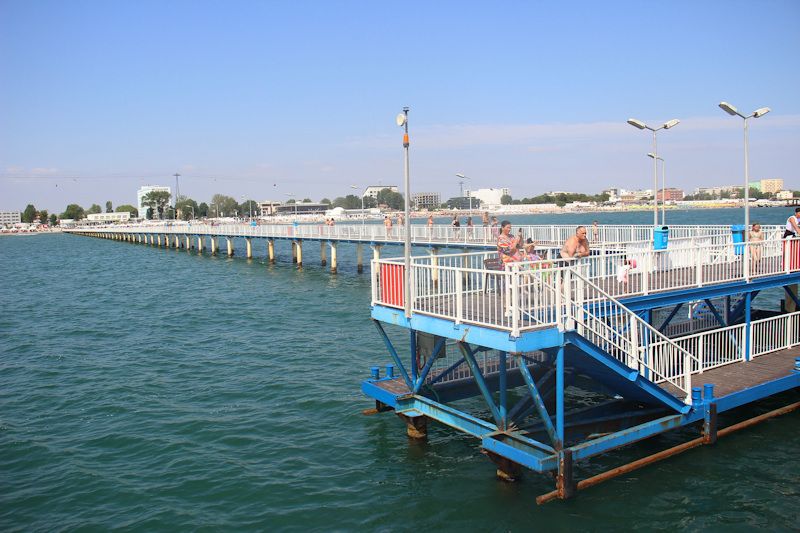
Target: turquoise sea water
[{"x": 155, "y": 389}]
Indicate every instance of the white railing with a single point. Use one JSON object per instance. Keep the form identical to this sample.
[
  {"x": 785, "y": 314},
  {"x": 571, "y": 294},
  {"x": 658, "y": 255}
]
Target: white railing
[
  {"x": 483, "y": 236},
  {"x": 622, "y": 334}
]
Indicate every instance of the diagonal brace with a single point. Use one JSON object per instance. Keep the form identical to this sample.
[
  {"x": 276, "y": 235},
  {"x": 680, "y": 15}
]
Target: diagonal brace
[
  {"x": 428, "y": 365},
  {"x": 393, "y": 352},
  {"x": 539, "y": 403},
  {"x": 469, "y": 356}
]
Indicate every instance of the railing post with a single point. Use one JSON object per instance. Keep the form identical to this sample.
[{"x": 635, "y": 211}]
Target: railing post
[
  {"x": 648, "y": 267},
  {"x": 633, "y": 338},
  {"x": 459, "y": 297},
  {"x": 699, "y": 271},
  {"x": 559, "y": 288},
  {"x": 687, "y": 377},
  {"x": 374, "y": 274},
  {"x": 515, "y": 311}
]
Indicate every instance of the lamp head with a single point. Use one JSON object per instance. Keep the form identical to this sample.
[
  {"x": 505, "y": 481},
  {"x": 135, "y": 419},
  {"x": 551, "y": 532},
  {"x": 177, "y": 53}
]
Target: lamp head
[
  {"x": 462, "y": 176},
  {"x": 672, "y": 123},
  {"x": 401, "y": 119},
  {"x": 761, "y": 112},
  {"x": 729, "y": 109},
  {"x": 637, "y": 123}
]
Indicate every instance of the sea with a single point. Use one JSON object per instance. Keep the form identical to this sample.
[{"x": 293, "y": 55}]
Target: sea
[{"x": 148, "y": 389}]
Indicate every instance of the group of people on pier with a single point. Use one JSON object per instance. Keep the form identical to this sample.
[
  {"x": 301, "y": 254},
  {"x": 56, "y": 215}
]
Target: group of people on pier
[{"x": 514, "y": 249}]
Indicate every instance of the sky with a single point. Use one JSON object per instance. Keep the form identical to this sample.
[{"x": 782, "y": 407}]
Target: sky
[{"x": 267, "y": 99}]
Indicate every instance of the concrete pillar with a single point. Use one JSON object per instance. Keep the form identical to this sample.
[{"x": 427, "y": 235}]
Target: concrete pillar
[
  {"x": 299, "y": 249},
  {"x": 176, "y": 241},
  {"x": 249, "y": 243},
  {"x": 200, "y": 244},
  {"x": 188, "y": 242},
  {"x": 294, "y": 252},
  {"x": 323, "y": 253},
  {"x": 159, "y": 240},
  {"x": 229, "y": 242},
  {"x": 213, "y": 246},
  {"x": 416, "y": 426},
  {"x": 271, "y": 250},
  {"x": 334, "y": 265},
  {"x": 360, "y": 258},
  {"x": 376, "y": 252}
]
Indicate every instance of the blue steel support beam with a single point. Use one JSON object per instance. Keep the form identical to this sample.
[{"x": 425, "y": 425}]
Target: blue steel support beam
[
  {"x": 739, "y": 309},
  {"x": 714, "y": 312},
  {"x": 394, "y": 355},
  {"x": 476, "y": 373},
  {"x": 540, "y": 407},
  {"x": 414, "y": 355},
  {"x": 503, "y": 400},
  {"x": 747, "y": 317},
  {"x": 792, "y": 296},
  {"x": 425, "y": 371},
  {"x": 560, "y": 394},
  {"x": 447, "y": 370},
  {"x": 670, "y": 317}
]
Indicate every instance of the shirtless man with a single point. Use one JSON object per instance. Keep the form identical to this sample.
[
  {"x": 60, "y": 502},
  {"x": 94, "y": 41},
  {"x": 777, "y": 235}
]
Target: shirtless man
[{"x": 576, "y": 246}]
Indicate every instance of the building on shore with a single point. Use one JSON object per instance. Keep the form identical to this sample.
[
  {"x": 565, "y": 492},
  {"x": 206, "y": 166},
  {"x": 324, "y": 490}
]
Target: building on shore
[
  {"x": 491, "y": 196},
  {"x": 669, "y": 195},
  {"x": 119, "y": 216},
  {"x": 142, "y": 192},
  {"x": 10, "y": 217},
  {"x": 373, "y": 190},
  {"x": 268, "y": 208},
  {"x": 768, "y": 186},
  {"x": 302, "y": 208},
  {"x": 426, "y": 200}
]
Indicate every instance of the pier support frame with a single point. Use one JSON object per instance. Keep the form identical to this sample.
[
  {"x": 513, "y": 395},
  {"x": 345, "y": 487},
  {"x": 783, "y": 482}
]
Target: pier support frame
[
  {"x": 271, "y": 250},
  {"x": 334, "y": 261},
  {"x": 249, "y": 245},
  {"x": 199, "y": 244},
  {"x": 323, "y": 253},
  {"x": 213, "y": 246},
  {"x": 299, "y": 253},
  {"x": 416, "y": 426},
  {"x": 229, "y": 244},
  {"x": 359, "y": 258},
  {"x": 188, "y": 242}
]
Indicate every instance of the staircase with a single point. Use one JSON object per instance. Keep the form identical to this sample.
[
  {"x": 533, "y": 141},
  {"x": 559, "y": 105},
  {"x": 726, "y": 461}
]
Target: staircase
[{"x": 619, "y": 333}]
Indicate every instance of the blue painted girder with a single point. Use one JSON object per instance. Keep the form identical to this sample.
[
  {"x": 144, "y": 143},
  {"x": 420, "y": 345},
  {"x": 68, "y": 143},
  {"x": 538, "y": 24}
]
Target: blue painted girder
[{"x": 587, "y": 358}]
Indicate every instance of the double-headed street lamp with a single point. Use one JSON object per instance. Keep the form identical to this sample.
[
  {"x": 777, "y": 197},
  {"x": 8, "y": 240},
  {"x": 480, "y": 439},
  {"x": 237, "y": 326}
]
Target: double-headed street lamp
[
  {"x": 663, "y": 186},
  {"x": 463, "y": 177},
  {"x": 665, "y": 126},
  {"x": 402, "y": 121},
  {"x": 729, "y": 109}
]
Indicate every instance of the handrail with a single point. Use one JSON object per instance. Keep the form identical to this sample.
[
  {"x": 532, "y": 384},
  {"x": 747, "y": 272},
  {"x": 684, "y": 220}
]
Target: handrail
[{"x": 626, "y": 337}]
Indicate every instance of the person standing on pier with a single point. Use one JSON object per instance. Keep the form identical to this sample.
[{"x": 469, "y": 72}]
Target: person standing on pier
[
  {"x": 485, "y": 219},
  {"x": 507, "y": 246},
  {"x": 387, "y": 223},
  {"x": 456, "y": 226},
  {"x": 576, "y": 246},
  {"x": 793, "y": 225},
  {"x": 756, "y": 239}
]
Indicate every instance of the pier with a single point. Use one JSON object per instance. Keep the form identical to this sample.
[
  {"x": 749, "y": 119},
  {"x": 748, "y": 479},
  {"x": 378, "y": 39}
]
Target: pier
[
  {"x": 662, "y": 337},
  {"x": 262, "y": 238}
]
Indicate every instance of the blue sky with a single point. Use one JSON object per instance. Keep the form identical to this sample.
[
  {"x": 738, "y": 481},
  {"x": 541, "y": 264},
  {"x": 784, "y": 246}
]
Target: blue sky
[{"x": 265, "y": 99}]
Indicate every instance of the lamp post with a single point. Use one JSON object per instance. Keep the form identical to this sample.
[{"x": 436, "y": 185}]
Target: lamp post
[
  {"x": 665, "y": 126},
  {"x": 663, "y": 186},
  {"x": 402, "y": 121},
  {"x": 463, "y": 177},
  {"x": 363, "y": 215},
  {"x": 729, "y": 109},
  {"x": 290, "y": 195}
]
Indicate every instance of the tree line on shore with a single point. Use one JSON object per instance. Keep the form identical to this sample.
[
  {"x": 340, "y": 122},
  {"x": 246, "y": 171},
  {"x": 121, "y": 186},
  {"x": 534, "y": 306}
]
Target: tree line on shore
[{"x": 158, "y": 206}]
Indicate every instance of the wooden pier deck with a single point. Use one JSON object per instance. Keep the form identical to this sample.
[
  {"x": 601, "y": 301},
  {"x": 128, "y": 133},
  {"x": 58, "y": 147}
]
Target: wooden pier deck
[{"x": 735, "y": 377}]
